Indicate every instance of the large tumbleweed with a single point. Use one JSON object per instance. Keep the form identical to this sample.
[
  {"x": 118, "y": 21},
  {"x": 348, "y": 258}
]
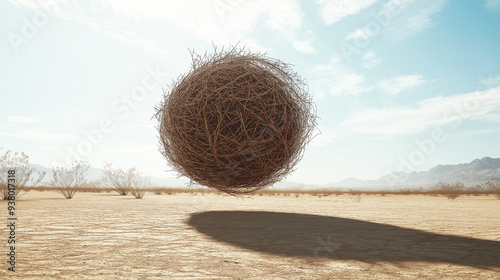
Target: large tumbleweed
[{"x": 236, "y": 122}]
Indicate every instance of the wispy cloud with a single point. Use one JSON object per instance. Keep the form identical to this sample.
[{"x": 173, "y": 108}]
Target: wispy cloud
[
  {"x": 399, "y": 84},
  {"x": 27, "y": 3},
  {"x": 219, "y": 22},
  {"x": 340, "y": 80},
  {"x": 131, "y": 150},
  {"x": 59, "y": 8},
  {"x": 96, "y": 15},
  {"x": 128, "y": 37},
  {"x": 286, "y": 18},
  {"x": 490, "y": 81},
  {"x": 222, "y": 22},
  {"x": 429, "y": 113},
  {"x": 335, "y": 10},
  {"x": 407, "y": 18},
  {"x": 493, "y": 117},
  {"x": 370, "y": 60},
  {"x": 148, "y": 126},
  {"x": 336, "y": 78},
  {"x": 416, "y": 16},
  {"x": 480, "y": 132},
  {"x": 21, "y": 120},
  {"x": 322, "y": 136},
  {"x": 38, "y": 135},
  {"x": 492, "y": 5}
]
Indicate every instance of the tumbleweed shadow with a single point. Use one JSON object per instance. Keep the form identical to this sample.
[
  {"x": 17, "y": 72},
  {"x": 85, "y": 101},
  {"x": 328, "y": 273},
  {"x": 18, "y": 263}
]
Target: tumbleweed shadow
[{"x": 304, "y": 235}]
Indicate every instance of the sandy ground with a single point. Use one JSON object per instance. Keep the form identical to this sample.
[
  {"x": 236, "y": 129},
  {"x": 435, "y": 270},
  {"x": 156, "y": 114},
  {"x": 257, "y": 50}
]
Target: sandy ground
[{"x": 184, "y": 236}]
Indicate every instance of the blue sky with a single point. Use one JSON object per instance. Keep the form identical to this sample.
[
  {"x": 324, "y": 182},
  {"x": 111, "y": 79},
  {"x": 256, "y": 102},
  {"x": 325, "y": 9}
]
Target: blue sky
[{"x": 399, "y": 85}]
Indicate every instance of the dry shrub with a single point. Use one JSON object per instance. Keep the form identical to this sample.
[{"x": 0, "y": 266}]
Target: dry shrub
[
  {"x": 236, "y": 122},
  {"x": 355, "y": 195},
  {"x": 68, "y": 181},
  {"x": 94, "y": 186},
  {"x": 140, "y": 185},
  {"x": 118, "y": 179},
  {"x": 157, "y": 190},
  {"x": 451, "y": 191},
  {"x": 25, "y": 177},
  {"x": 126, "y": 181},
  {"x": 493, "y": 186}
]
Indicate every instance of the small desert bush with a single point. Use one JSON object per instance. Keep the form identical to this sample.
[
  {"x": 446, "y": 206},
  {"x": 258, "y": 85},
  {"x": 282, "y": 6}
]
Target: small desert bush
[
  {"x": 156, "y": 190},
  {"x": 118, "y": 179},
  {"x": 493, "y": 186},
  {"x": 451, "y": 191},
  {"x": 139, "y": 186},
  {"x": 94, "y": 186},
  {"x": 355, "y": 195},
  {"x": 25, "y": 177},
  {"x": 68, "y": 181},
  {"x": 131, "y": 181}
]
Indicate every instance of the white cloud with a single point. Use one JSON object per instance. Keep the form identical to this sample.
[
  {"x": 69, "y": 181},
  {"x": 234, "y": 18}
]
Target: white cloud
[
  {"x": 399, "y": 84},
  {"x": 97, "y": 16},
  {"x": 286, "y": 18},
  {"x": 57, "y": 8},
  {"x": 37, "y": 135},
  {"x": 304, "y": 46},
  {"x": 370, "y": 60},
  {"x": 400, "y": 19},
  {"x": 21, "y": 120},
  {"x": 125, "y": 36},
  {"x": 132, "y": 150},
  {"x": 148, "y": 126},
  {"x": 335, "y": 10},
  {"x": 322, "y": 137},
  {"x": 339, "y": 80},
  {"x": 27, "y": 3},
  {"x": 492, "y": 5},
  {"x": 336, "y": 79},
  {"x": 429, "y": 113},
  {"x": 493, "y": 117},
  {"x": 221, "y": 22},
  {"x": 481, "y": 131},
  {"x": 358, "y": 33},
  {"x": 490, "y": 81},
  {"x": 416, "y": 16}
]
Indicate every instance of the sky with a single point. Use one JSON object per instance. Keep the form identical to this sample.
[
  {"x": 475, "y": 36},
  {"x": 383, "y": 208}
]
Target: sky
[{"x": 399, "y": 85}]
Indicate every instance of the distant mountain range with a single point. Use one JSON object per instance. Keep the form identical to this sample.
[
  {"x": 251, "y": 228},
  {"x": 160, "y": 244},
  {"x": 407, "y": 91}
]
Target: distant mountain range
[{"x": 477, "y": 171}]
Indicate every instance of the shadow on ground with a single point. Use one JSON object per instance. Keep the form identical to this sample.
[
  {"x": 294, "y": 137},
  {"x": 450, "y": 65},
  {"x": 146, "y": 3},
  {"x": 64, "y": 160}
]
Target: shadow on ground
[{"x": 303, "y": 235}]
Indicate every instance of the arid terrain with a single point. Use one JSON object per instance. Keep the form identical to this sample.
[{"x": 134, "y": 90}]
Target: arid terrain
[{"x": 186, "y": 236}]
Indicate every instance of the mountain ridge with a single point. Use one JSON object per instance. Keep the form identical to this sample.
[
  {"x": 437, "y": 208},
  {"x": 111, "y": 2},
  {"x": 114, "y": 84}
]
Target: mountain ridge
[{"x": 474, "y": 172}]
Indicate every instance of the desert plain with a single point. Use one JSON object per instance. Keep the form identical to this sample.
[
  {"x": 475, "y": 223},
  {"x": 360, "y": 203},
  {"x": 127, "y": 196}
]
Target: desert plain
[{"x": 210, "y": 236}]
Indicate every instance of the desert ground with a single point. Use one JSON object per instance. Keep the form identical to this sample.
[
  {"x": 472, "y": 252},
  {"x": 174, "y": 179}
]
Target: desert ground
[{"x": 209, "y": 236}]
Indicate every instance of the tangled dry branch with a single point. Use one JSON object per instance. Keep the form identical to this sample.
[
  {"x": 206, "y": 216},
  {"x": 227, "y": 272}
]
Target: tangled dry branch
[{"x": 236, "y": 122}]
